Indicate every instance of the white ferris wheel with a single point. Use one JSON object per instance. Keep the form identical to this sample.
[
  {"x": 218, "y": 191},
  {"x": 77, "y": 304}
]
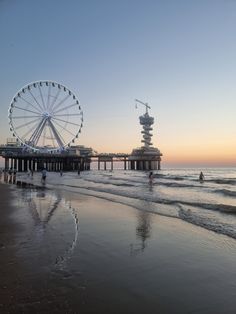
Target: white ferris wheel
[{"x": 45, "y": 116}]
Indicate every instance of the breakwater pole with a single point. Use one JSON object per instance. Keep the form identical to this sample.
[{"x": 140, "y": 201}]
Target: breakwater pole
[
  {"x": 107, "y": 161},
  {"x": 145, "y": 164},
  {"x": 130, "y": 162}
]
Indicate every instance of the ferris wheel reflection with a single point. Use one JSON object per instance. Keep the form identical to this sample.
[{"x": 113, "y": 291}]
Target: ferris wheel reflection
[{"x": 55, "y": 224}]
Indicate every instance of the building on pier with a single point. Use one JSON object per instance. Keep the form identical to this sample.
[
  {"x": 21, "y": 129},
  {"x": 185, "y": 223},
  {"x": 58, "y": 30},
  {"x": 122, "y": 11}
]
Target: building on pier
[{"x": 146, "y": 157}]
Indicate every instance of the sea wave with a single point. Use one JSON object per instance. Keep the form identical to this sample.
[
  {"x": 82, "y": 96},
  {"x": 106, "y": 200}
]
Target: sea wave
[
  {"x": 207, "y": 223},
  {"x": 130, "y": 182},
  {"x": 226, "y": 192},
  {"x": 223, "y": 181},
  {"x": 230, "y": 209}
]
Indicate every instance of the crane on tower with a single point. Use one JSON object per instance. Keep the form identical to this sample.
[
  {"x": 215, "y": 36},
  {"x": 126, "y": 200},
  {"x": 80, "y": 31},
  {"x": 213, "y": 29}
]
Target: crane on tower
[{"x": 142, "y": 103}]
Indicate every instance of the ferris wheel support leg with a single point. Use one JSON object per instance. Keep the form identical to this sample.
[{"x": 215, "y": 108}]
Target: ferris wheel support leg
[{"x": 57, "y": 136}]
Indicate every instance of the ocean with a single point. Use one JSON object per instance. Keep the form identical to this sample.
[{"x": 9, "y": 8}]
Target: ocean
[
  {"x": 74, "y": 244},
  {"x": 174, "y": 193}
]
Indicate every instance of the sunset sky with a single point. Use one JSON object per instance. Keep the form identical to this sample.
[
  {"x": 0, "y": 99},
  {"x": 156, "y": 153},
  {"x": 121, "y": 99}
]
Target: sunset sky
[{"x": 179, "y": 56}]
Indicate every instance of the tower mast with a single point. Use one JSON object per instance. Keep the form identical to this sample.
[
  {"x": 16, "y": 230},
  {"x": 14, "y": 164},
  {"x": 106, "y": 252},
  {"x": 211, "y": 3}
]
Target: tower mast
[
  {"x": 146, "y": 121},
  {"x": 143, "y": 103}
]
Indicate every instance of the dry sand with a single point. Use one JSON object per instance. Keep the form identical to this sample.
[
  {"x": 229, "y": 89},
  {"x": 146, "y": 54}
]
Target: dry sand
[{"x": 67, "y": 253}]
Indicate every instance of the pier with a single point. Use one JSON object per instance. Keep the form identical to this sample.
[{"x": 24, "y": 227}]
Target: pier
[
  {"x": 21, "y": 161},
  {"x": 45, "y": 128}
]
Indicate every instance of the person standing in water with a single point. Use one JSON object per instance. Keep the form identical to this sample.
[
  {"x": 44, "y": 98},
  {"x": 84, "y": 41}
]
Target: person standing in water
[
  {"x": 201, "y": 176},
  {"x": 44, "y": 175},
  {"x": 150, "y": 178}
]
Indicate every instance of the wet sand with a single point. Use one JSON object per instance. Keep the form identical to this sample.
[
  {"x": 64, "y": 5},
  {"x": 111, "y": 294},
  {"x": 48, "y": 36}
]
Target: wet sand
[{"x": 62, "y": 252}]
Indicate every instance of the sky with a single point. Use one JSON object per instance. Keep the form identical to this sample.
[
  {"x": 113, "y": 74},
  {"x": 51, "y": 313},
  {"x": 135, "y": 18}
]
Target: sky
[{"x": 178, "y": 56}]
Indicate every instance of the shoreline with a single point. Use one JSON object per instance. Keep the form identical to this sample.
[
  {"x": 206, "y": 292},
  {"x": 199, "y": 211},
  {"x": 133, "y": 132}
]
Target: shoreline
[{"x": 95, "y": 255}]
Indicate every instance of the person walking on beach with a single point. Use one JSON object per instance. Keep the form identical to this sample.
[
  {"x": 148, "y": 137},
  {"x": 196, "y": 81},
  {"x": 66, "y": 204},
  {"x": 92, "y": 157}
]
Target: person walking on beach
[
  {"x": 14, "y": 176},
  {"x": 10, "y": 173},
  {"x": 201, "y": 176},
  {"x": 44, "y": 175},
  {"x": 150, "y": 178}
]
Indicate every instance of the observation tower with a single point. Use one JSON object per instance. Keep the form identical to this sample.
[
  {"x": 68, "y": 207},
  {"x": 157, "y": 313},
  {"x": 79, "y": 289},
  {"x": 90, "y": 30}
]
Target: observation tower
[{"x": 145, "y": 157}]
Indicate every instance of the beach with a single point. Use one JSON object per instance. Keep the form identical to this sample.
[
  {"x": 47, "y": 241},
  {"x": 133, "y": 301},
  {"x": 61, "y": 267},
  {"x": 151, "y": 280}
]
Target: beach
[{"x": 66, "y": 252}]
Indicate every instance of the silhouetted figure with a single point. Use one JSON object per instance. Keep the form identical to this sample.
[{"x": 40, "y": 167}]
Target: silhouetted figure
[
  {"x": 61, "y": 173},
  {"x": 14, "y": 176},
  {"x": 10, "y": 173},
  {"x": 150, "y": 178},
  {"x": 201, "y": 176},
  {"x": 44, "y": 175}
]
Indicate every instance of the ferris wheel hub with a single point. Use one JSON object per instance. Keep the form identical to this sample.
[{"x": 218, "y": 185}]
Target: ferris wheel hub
[{"x": 46, "y": 115}]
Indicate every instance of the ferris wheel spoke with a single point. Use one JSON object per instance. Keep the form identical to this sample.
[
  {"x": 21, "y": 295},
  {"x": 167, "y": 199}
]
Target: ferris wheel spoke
[
  {"x": 57, "y": 136},
  {"x": 66, "y": 121},
  {"x": 55, "y": 99},
  {"x": 67, "y": 107},
  {"x": 24, "y": 117},
  {"x": 61, "y": 102},
  {"x": 48, "y": 98},
  {"x": 35, "y": 100},
  {"x": 24, "y": 109},
  {"x": 68, "y": 115},
  {"x": 41, "y": 95},
  {"x": 23, "y": 125},
  {"x": 29, "y": 103},
  {"x": 64, "y": 128}
]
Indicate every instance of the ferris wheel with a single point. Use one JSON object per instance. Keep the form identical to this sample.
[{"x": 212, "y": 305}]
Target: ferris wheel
[{"x": 45, "y": 116}]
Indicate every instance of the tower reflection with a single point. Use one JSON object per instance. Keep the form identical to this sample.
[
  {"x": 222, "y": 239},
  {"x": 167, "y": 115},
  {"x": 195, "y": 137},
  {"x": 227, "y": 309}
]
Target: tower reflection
[{"x": 143, "y": 232}]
